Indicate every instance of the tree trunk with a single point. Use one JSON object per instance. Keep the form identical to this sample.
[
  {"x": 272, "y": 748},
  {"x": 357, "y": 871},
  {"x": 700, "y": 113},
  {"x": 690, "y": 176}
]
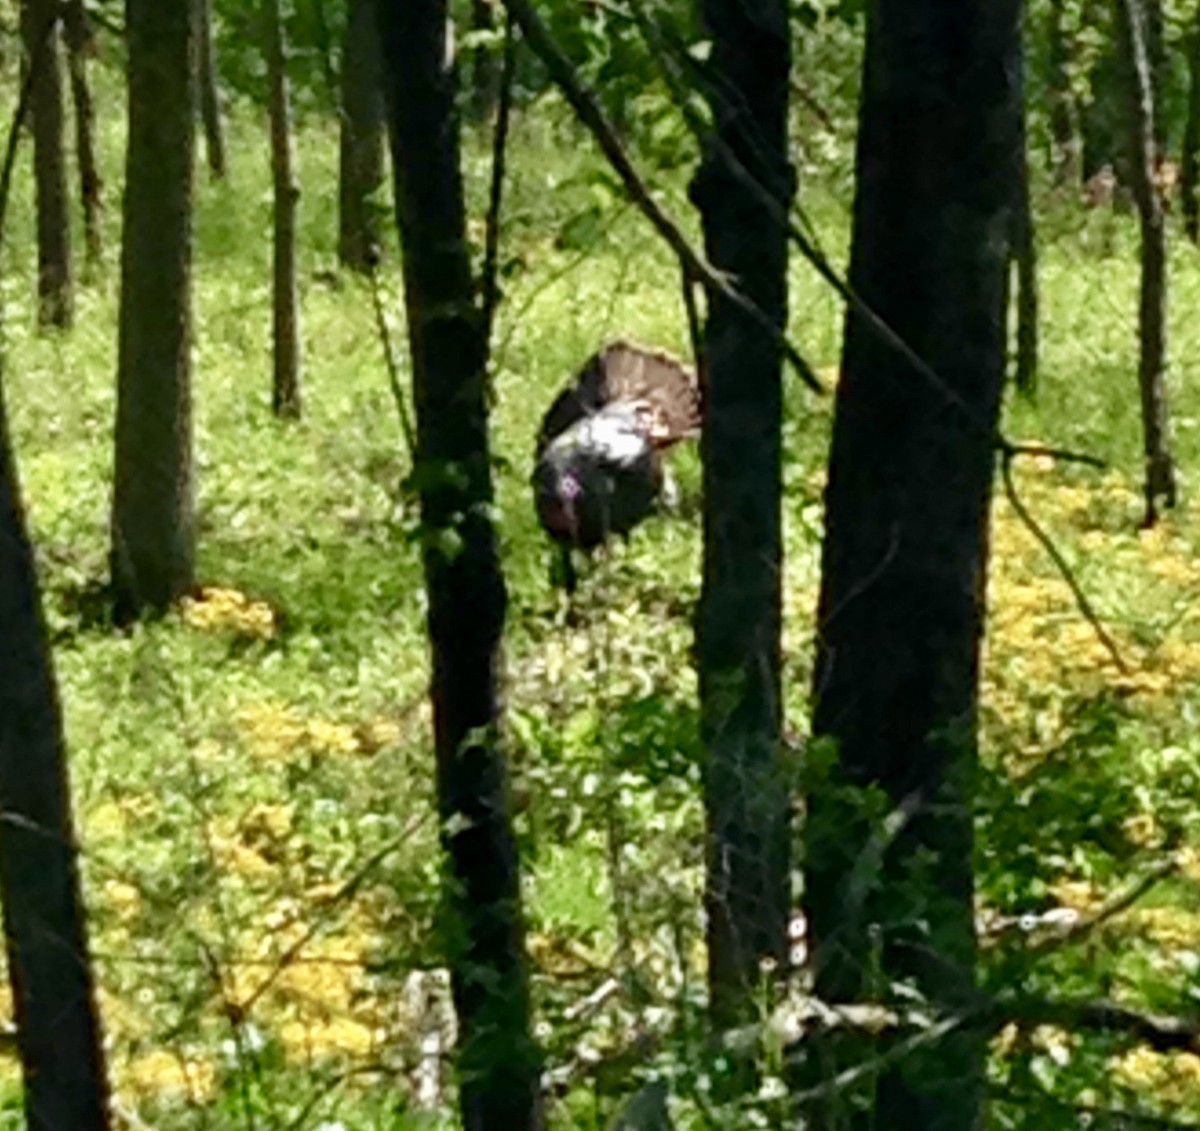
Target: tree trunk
[
  {"x": 361, "y": 139},
  {"x": 484, "y": 71},
  {"x": 58, "y": 1032},
  {"x": 78, "y": 35},
  {"x": 738, "y": 628},
  {"x": 1060, "y": 100},
  {"x": 497, "y": 1059},
  {"x": 1189, "y": 177},
  {"x": 55, "y": 301},
  {"x": 211, "y": 115},
  {"x": 285, "y": 399},
  {"x": 888, "y": 870},
  {"x": 153, "y": 506},
  {"x": 1024, "y": 241},
  {"x": 1152, "y": 315}
]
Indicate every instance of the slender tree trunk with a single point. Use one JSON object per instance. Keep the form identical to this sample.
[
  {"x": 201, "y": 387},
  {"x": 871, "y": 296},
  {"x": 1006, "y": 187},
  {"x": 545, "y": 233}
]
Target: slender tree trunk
[
  {"x": 362, "y": 122},
  {"x": 78, "y": 35},
  {"x": 58, "y": 1032},
  {"x": 888, "y": 865},
  {"x": 1152, "y": 317},
  {"x": 738, "y": 629},
  {"x": 1024, "y": 244},
  {"x": 484, "y": 71},
  {"x": 211, "y": 114},
  {"x": 153, "y": 506},
  {"x": 1189, "y": 179},
  {"x": 497, "y": 1058},
  {"x": 55, "y": 300},
  {"x": 1060, "y": 100},
  {"x": 286, "y": 306}
]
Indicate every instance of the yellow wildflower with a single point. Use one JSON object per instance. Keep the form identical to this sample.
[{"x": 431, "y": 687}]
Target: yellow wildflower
[
  {"x": 1142, "y": 830},
  {"x": 228, "y": 610},
  {"x": 160, "y": 1072},
  {"x": 318, "y": 1040},
  {"x": 124, "y": 899}
]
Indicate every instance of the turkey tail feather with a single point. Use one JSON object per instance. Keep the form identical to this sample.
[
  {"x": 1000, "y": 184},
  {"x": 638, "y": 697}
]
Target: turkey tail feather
[{"x": 658, "y": 385}]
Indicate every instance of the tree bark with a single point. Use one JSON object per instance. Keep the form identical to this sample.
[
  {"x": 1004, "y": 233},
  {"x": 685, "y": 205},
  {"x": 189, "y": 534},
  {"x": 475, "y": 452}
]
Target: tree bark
[
  {"x": 888, "y": 864},
  {"x": 58, "y": 1031},
  {"x": 153, "y": 506},
  {"x": 1152, "y": 314},
  {"x": 361, "y": 155},
  {"x": 1024, "y": 242},
  {"x": 1189, "y": 176},
  {"x": 78, "y": 35},
  {"x": 285, "y": 398},
  {"x": 497, "y": 1058},
  {"x": 1060, "y": 100},
  {"x": 738, "y": 628},
  {"x": 484, "y": 71},
  {"x": 55, "y": 298},
  {"x": 212, "y": 116}
]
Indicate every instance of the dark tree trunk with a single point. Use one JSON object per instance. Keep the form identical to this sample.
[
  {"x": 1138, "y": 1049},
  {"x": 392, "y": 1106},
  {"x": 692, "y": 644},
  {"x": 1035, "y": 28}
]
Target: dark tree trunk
[
  {"x": 1060, "y": 100},
  {"x": 1189, "y": 176},
  {"x": 209, "y": 91},
  {"x": 484, "y": 70},
  {"x": 1152, "y": 317},
  {"x": 78, "y": 34},
  {"x": 55, "y": 301},
  {"x": 738, "y": 628},
  {"x": 285, "y": 399},
  {"x": 497, "y": 1059},
  {"x": 888, "y": 870},
  {"x": 1024, "y": 241},
  {"x": 50, "y": 973},
  {"x": 362, "y": 123},
  {"x": 153, "y": 506}
]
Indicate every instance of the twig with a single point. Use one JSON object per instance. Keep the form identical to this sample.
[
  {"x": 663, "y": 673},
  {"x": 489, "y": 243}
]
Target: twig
[
  {"x": 489, "y": 287},
  {"x": 1111, "y": 908},
  {"x": 389, "y": 359},
  {"x": 343, "y": 893},
  {"x": 1062, "y": 455},
  {"x": 1117, "y": 1117},
  {"x": 588, "y": 110},
  {"x": 1162, "y": 1032},
  {"x": 1063, "y": 566}
]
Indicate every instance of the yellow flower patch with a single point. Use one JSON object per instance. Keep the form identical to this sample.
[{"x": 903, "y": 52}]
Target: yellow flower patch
[
  {"x": 229, "y": 611},
  {"x": 277, "y": 732},
  {"x": 161, "y": 1073}
]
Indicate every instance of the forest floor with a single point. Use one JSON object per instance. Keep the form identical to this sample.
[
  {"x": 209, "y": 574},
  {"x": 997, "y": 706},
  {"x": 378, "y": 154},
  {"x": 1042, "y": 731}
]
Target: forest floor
[{"x": 253, "y": 777}]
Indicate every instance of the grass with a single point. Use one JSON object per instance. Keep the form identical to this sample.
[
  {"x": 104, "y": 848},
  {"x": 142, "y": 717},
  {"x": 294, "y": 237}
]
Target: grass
[{"x": 252, "y": 775}]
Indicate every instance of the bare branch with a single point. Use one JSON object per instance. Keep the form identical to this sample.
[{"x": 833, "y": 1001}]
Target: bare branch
[
  {"x": 588, "y": 110},
  {"x": 1063, "y": 566}
]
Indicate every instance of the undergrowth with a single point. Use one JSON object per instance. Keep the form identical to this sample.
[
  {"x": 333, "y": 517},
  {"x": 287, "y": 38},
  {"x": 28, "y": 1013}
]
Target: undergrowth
[{"x": 252, "y": 774}]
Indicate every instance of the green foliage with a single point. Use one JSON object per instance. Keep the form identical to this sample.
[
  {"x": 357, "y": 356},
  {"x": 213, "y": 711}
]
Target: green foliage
[{"x": 255, "y": 772}]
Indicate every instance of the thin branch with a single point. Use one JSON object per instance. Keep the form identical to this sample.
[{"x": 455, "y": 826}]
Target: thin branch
[
  {"x": 489, "y": 287},
  {"x": 389, "y": 358},
  {"x": 1062, "y": 455},
  {"x": 1064, "y": 568},
  {"x": 1121, "y": 901},
  {"x": 588, "y": 110},
  {"x": 1118, "y": 1117},
  {"x": 1162, "y": 1032}
]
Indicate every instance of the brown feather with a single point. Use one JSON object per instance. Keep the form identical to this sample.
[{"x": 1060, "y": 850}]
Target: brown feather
[{"x": 659, "y": 385}]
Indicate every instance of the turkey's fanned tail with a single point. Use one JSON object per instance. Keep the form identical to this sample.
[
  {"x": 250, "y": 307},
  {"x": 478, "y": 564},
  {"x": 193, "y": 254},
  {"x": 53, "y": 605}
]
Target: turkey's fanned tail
[{"x": 658, "y": 385}]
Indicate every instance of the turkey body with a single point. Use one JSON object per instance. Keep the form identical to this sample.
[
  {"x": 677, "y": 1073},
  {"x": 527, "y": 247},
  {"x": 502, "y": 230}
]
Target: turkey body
[{"x": 598, "y": 464}]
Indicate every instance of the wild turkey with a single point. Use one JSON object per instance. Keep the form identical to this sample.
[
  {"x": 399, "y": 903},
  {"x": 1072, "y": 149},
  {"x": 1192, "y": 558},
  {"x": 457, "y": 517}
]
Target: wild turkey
[{"x": 599, "y": 467}]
